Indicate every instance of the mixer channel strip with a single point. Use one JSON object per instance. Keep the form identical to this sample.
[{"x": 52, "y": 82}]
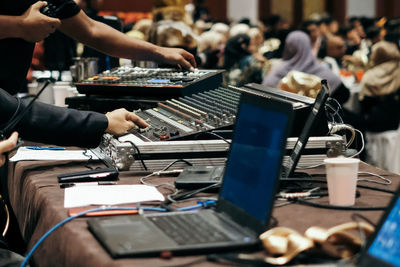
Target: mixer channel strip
[{"x": 189, "y": 115}]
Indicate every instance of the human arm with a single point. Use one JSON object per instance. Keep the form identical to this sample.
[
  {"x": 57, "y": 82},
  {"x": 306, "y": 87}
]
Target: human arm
[
  {"x": 6, "y": 146},
  {"x": 68, "y": 127},
  {"x": 32, "y": 26},
  {"x": 114, "y": 43}
]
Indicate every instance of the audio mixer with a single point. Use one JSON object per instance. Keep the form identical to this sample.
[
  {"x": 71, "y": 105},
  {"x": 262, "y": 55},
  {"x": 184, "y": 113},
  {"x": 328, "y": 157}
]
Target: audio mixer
[
  {"x": 178, "y": 126},
  {"x": 153, "y": 82}
]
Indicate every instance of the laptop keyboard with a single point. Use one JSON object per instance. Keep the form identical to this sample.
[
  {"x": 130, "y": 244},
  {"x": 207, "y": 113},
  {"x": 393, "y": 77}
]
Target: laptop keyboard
[{"x": 187, "y": 229}]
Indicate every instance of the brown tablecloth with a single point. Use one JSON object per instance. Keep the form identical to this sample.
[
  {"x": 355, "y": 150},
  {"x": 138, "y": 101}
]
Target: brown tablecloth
[{"x": 38, "y": 203}]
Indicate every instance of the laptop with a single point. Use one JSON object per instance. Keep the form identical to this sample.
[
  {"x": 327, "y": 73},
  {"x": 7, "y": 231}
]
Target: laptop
[
  {"x": 245, "y": 201},
  {"x": 316, "y": 111},
  {"x": 383, "y": 247}
]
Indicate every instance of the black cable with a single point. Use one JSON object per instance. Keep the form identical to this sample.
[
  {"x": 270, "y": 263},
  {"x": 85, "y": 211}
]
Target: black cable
[
  {"x": 213, "y": 134},
  {"x": 89, "y": 161},
  {"x": 11, "y": 124},
  {"x": 333, "y": 207},
  {"x": 233, "y": 259},
  {"x": 274, "y": 222},
  {"x": 2, "y": 136},
  {"x": 324, "y": 182},
  {"x": 176, "y": 161},
  {"x": 139, "y": 155},
  {"x": 191, "y": 193},
  {"x": 354, "y": 217}
]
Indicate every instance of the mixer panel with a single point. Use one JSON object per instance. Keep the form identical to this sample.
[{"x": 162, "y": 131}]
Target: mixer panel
[
  {"x": 185, "y": 116},
  {"x": 150, "y": 82}
]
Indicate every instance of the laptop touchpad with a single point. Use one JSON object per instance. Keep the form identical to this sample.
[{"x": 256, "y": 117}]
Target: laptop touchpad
[{"x": 133, "y": 234}]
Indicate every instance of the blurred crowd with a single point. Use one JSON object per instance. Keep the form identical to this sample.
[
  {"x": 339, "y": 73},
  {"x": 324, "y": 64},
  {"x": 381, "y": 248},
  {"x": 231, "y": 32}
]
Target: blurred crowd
[{"x": 361, "y": 53}]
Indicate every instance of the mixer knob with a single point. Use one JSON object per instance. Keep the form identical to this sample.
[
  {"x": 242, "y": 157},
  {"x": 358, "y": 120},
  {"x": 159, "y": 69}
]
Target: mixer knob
[
  {"x": 143, "y": 130},
  {"x": 164, "y": 137}
]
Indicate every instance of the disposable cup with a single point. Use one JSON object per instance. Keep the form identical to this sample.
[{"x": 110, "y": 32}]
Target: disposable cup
[
  {"x": 60, "y": 93},
  {"x": 341, "y": 176}
]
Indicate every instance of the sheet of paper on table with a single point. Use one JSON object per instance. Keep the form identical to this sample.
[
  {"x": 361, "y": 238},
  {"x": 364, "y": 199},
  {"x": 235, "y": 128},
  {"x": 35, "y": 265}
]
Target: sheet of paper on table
[
  {"x": 28, "y": 154},
  {"x": 78, "y": 196}
]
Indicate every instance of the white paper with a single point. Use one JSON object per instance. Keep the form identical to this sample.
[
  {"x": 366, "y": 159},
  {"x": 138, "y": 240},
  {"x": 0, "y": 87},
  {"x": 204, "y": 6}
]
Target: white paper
[
  {"x": 28, "y": 154},
  {"x": 78, "y": 196}
]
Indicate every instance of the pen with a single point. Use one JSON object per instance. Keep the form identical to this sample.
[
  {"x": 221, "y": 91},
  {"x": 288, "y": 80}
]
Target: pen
[
  {"x": 44, "y": 148},
  {"x": 67, "y": 185}
]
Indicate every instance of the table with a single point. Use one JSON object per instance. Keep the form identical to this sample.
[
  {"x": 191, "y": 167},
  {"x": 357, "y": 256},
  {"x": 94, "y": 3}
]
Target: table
[{"x": 37, "y": 201}]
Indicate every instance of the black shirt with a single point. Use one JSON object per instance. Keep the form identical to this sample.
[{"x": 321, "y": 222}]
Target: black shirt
[{"x": 16, "y": 54}]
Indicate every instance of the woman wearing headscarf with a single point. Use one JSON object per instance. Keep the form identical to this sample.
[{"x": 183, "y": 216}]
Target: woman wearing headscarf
[
  {"x": 241, "y": 66},
  {"x": 380, "y": 97},
  {"x": 297, "y": 55}
]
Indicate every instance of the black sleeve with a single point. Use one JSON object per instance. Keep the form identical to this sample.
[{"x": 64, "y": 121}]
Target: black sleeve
[{"x": 54, "y": 125}]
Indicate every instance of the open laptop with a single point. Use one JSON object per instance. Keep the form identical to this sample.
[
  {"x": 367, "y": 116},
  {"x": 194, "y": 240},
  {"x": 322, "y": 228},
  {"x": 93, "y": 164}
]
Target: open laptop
[
  {"x": 245, "y": 201},
  {"x": 316, "y": 111},
  {"x": 383, "y": 247}
]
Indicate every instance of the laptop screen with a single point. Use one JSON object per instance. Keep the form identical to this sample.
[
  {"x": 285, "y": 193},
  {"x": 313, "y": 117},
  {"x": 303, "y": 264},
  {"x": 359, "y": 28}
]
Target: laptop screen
[
  {"x": 259, "y": 138},
  {"x": 386, "y": 244}
]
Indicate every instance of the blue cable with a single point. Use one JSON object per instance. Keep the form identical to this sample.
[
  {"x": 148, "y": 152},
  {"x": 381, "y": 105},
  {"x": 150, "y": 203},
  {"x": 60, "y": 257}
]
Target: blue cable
[
  {"x": 200, "y": 204},
  {"x": 55, "y": 227}
]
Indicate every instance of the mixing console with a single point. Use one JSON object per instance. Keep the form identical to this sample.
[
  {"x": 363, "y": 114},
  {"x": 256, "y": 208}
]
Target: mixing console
[
  {"x": 137, "y": 81},
  {"x": 176, "y": 125},
  {"x": 189, "y": 115}
]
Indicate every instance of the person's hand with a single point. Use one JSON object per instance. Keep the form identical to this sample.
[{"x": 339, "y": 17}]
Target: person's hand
[
  {"x": 35, "y": 26},
  {"x": 120, "y": 121},
  {"x": 7, "y": 145},
  {"x": 177, "y": 56}
]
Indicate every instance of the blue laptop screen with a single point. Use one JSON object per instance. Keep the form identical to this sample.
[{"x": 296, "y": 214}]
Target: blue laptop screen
[
  {"x": 386, "y": 245},
  {"x": 255, "y": 154}
]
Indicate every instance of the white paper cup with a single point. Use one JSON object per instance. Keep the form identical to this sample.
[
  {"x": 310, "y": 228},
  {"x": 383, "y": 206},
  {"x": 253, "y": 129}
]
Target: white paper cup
[
  {"x": 341, "y": 176},
  {"x": 60, "y": 93}
]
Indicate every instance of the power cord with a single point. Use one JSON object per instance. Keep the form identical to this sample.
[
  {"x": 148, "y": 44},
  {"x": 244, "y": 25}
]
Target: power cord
[
  {"x": 139, "y": 154},
  {"x": 338, "y": 127},
  {"x": 213, "y": 134},
  {"x": 334, "y": 129},
  {"x": 189, "y": 194},
  {"x": 333, "y": 207},
  {"x": 386, "y": 181},
  {"x": 2, "y": 132},
  {"x": 165, "y": 171},
  {"x": 333, "y": 112},
  {"x": 16, "y": 118}
]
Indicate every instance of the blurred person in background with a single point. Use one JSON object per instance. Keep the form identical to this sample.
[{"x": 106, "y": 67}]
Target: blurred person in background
[
  {"x": 297, "y": 55},
  {"x": 211, "y": 49},
  {"x": 380, "y": 97},
  {"x": 241, "y": 67},
  {"x": 328, "y": 26},
  {"x": 318, "y": 41},
  {"x": 240, "y": 28}
]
